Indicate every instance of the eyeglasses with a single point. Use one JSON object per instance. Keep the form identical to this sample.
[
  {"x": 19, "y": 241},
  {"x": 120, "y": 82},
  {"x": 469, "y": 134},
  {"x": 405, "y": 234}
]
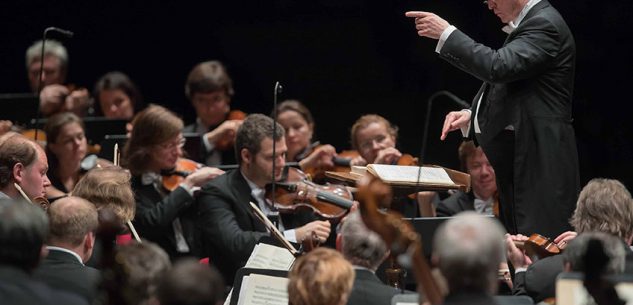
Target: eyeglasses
[{"x": 179, "y": 143}]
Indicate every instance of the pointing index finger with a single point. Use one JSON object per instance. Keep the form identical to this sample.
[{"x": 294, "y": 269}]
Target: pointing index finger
[{"x": 416, "y": 14}]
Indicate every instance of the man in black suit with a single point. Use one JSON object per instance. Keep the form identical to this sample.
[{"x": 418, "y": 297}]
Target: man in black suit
[
  {"x": 229, "y": 229},
  {"x": 604, "y": 205},
  {"x": 365, "y": 250},
  {"x": 521, "y": 116},
  {"x": 23, "y": 230},
  {"x": 70, "y": 243},
  {"x": 481, "y": 198},
  {"x": 468, "y": 250}
]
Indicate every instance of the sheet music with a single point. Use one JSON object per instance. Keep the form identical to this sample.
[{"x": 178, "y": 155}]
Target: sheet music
[
  {"x": 263, "y": 289},
  {"x": 399, "y": 173},
  {"x": 265, "y": 256}
]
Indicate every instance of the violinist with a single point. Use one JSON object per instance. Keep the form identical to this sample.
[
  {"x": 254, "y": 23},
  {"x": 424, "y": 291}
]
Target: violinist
[
  {"x": 604, "y": 205},
  {"x": 117, "y": 96},
  {"x": 210, "y": 90},
  {"x": 23, "y": 167},
  {"x": 468, "y": 250},
  {"x": 229, "y": 229},
  {"x": 162, "y": 216},
  {"x": 67, "y": 153},
  {"x": 481, "y": 198},
  {"x": 375, "y": 139},
  {"x": 299, "y": 125}
]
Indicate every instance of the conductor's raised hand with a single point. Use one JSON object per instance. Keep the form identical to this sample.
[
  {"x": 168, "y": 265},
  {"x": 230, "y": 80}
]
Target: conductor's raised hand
[
  {"x": 428, "y": 24},
  {"x": 455, "y": 120}
]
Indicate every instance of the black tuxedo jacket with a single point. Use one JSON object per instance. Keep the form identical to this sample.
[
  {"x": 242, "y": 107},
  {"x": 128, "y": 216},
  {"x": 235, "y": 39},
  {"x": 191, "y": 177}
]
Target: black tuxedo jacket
[
  {"x": 155, "y": 215},
  {"x": 61, "y": 270},
  {"x": 528, "y": 83},
  {"x": 456, "y": 203},
  {"x": 18, "y": 288},
  {"x": 229, "y": 230},
  {"x": 369, "y": 290}
]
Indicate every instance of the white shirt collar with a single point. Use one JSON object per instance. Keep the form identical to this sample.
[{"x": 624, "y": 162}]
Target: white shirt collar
[
  {"x": 513, "y": 24},
  {"x": 151, "y": 178},
  {"x": 67, "y": 251}
]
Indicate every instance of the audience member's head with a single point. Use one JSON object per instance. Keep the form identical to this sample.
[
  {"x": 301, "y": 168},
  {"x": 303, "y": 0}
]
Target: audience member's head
[
  {"x": 23, "y": 162},
  {"x": 604, "y": 205},
  {"x": 482, "y": 175},
  {"x": 359, "y": 245},
  {"x": 108, "y": 188},
  {"x": 144, "y": 265},
  {"x": 321, "y": 277},
  {"x": 23, "y": 231},
  {"x": 575, "y": 254},
  {"x": 73, "y": 222},
  {"x": 191, "y": 283},
  {"x": 55, "y": 63},
  {"x": 117, "y": 96},
  {"x": 468, "y": 249},
  {"x": 210, "y": 89}
]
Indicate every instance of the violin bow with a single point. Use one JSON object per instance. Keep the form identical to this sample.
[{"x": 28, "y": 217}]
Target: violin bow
[
  {"x": 22, "y": 193},
  {"x": 273, "y": 230},
  {"x": 116, "y": 160}
]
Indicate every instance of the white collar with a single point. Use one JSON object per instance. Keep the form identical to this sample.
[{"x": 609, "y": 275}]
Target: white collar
[
  {"x": 513, "y": 24},
  {"x": 67, "y": 251},
  {"x": 148, "y": 178},
  {"x": 254, "y": 188}
]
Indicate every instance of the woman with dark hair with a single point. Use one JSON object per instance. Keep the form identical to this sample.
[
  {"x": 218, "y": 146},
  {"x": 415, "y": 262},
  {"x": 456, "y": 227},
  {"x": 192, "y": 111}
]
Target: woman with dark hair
[
  {"x": 67, "y": 152},
  {"x": 154, "y": 149},
  {"x": 117, "y": 96}
]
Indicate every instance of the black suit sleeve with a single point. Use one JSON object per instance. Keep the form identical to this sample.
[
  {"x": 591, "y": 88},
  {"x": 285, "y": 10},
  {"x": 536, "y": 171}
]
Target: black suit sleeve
[
  {"x": 151, "y": 212},
  {"x": 218, "y": 219}
]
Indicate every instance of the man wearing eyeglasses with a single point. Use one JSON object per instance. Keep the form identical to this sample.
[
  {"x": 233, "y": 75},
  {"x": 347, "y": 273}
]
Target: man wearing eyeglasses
[{"x": 521, "y": 116}]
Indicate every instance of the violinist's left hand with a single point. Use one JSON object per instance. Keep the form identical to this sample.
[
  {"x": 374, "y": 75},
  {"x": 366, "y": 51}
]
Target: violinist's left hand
[{"x": 319, "y": 158}]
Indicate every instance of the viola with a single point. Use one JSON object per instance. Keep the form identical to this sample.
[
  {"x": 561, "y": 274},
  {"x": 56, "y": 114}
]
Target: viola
[
  {"x": 226, "y": 143},
  {"x": 173, "y": 178},
  {"x": 539, "y": 246},
  {"x": 296, "y": 193}
]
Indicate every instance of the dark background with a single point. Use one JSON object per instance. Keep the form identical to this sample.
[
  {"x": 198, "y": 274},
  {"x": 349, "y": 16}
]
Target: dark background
[{"x": 342, "y": 58}]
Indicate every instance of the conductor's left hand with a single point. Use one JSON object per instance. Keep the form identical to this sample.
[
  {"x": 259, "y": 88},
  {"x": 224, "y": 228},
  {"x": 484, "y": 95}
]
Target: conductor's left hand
[{"x": 428, "y": 24}]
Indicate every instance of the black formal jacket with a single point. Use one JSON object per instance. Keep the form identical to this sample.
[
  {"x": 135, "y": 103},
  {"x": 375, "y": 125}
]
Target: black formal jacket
[
  {"x": 229, "y": 230},
  {"x": 469, "y": 298},
  {"x": 369, "y": 290},
  {"x": 155, "y": 215},
  {"x": 456, "y": 203},
  {"x": 61, "y": 270},
  {"x": 528, "y": 83},
  {"x": 18, "y": 288}
]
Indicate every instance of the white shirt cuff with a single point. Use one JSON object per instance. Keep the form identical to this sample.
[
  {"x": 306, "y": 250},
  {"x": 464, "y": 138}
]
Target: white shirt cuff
[
  {"x": 290, "y": 235},
  {"x": 517, "y": 270},
  {"x": 447, "y": 32},
  {"x": 189, "y": 190},
  {"x": 466, "y": 130},
  {"x": 208, "y": 146}
]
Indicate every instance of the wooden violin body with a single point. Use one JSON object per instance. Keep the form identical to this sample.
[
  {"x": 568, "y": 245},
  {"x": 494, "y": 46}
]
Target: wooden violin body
[
  {"x": 539, "y": 246},
  {"x": 173, "y": 178}
]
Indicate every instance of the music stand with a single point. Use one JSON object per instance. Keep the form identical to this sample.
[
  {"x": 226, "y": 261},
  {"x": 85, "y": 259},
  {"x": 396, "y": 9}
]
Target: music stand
[{"x": 18, "y": 108}]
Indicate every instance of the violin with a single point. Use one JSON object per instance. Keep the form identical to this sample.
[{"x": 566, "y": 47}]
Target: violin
[
  {"x": 398, "y": 234},
  {"x": 173, "y": 178},
  {"x": 227, "y": 142},
  {"x": 296, "y": 193},
  {"x": 341, "y": 164},
  {"x": 539, "y": 246},
  {"x": 407, "y": 160}
]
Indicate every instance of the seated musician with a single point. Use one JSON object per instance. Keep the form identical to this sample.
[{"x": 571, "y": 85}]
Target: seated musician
[
  {"x": 299, "y": 125},
  {"x": 321, "y": 277},
  {"x": 468, "y": 250},
  {"x": 210, "y": 90},
  {"x": 365, "y": 250},
  {"x": 163, "y": 216},
  {"x": 604, "y": 205},
  {"x": 23, "y": 163},
  {"x": 375, "y": 139},
  {"x": 117, "y": 96},
  {"x": 483, "y": 184},
  {"x": 67, "y": 151},
  {"x": 229, "y": 229}
]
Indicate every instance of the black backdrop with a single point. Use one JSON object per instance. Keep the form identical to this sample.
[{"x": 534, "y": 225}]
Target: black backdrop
[{"x": 342, "y": 58}]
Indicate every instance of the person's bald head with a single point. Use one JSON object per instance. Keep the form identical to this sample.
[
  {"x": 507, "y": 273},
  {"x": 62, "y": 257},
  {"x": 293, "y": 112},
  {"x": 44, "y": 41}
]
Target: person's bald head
[{"x": 71, "y": 219}]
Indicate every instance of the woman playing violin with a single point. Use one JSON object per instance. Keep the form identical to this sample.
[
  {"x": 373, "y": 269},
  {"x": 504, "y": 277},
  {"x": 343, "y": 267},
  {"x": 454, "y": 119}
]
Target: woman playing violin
[
  {"x": 299, "y": 125},
  {"x": 117, "y": 96},
  {"x": 162, "y": 216},
  {"x": 67, "y": 153},
  {"x": 210, "y": 90}
]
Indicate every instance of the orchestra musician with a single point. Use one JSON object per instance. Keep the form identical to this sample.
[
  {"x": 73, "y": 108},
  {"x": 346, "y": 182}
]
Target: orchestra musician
[
  {"x": 66, "y": 149},
  {"x": 163, "y": 216},
  {"x": 229, "y": 229},
  {"x": 117, "y": 96},
  {"x": 23, "y": 167},
  {"x": 299, "y": 126},
  {"x": 210, "y": 90}
]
